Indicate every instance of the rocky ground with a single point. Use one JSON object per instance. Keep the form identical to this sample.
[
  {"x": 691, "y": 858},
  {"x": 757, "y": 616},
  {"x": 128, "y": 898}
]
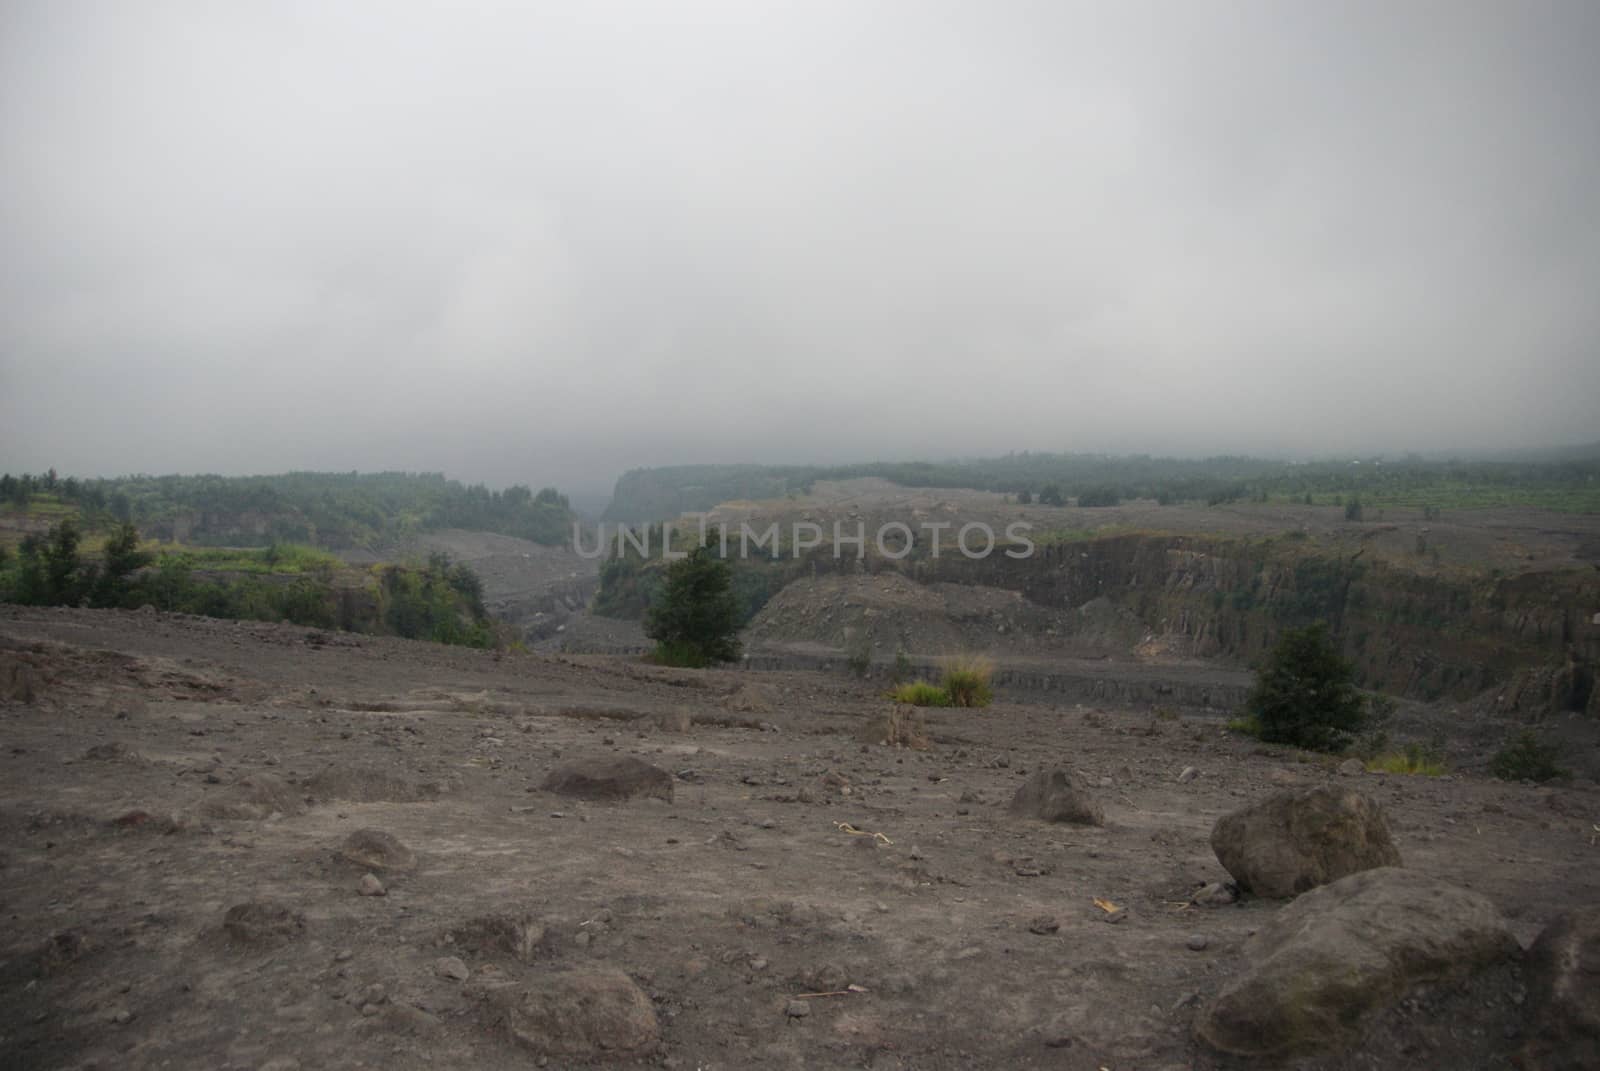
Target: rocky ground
[{"x": 236, "y": 845}]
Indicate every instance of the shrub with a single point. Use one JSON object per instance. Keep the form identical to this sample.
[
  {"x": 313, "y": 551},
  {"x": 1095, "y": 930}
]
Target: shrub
[
  {"x": 1523, "y": 758},
  {"x": 1245, "y": 725},
  {"x": 1099, "y": 496},
  {"x": 1305, "y": 695},
  {"x": 902, "y": 666},
  {"x": 921, "y": 694},
  {"x": 966, "y": 680}
]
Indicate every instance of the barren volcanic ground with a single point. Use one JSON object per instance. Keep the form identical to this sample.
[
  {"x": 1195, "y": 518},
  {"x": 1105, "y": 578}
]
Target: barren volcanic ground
[{"x": 160, "y": 771}]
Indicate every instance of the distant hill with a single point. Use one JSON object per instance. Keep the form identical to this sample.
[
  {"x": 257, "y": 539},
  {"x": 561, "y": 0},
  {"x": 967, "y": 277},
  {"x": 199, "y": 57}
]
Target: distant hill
[
  {"x": 326, "y": 509},
  {"x": 1566, "y": 478}
]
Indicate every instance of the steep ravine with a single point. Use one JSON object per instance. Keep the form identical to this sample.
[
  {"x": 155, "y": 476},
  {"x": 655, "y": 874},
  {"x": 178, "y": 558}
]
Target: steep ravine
[{"x": 1428, "y": 635}]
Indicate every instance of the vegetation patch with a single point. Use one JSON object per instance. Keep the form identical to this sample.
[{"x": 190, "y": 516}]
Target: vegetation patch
[
  {"x": 921, "y": 694},
  {"x": 1415, "y": 759},
  {"x": 1523, "y": 758},
  {"x": 1305, "y": 694},
  {"x": 966, "y": 680}
]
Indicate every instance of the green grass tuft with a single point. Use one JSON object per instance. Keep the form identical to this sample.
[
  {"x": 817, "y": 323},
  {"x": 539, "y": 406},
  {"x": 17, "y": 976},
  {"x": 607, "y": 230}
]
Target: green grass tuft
[
  {"x": 921, "y": 694},
  {"x": 1245, "y": 725},
  {"x": 966, "y": 680}
]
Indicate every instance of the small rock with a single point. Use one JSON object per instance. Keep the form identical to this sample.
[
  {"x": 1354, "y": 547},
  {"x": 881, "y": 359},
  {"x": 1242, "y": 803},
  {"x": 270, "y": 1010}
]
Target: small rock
[
  {"x": 797, "y": 1009},
  {"x": 121, "y": 1016},
  {"x": 1197, "y": 942},
  {"x": 451, "y": 967},
  {"x": 1044, "y": 925},
  {"x": 1056, "y": 795},
  {"x": 1352, "y": 768},
  {"x": 373, "y": 849},
  {"x": 1118, "y": 915},
  {"x": 371, "y": 886},
  {"x": 1216, "y": 894},
  {"x": 1189, "y": 774},
  {"x": 262, "y": 922}
]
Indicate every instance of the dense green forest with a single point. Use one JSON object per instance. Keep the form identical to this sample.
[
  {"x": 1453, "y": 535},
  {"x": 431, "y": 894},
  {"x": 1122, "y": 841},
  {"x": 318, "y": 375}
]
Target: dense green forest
[
  {"x": 334, "y": 510},
  {"x": 1563, "y": 480},
  {"x": 433, "y": 600}
]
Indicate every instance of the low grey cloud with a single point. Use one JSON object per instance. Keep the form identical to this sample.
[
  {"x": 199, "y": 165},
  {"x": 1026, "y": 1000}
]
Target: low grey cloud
[{"x": 545, "y": 242}]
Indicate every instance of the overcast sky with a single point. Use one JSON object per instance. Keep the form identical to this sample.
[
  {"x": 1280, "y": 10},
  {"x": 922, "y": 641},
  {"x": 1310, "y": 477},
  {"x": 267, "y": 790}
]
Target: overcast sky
[{"x": 546, "y": 242}]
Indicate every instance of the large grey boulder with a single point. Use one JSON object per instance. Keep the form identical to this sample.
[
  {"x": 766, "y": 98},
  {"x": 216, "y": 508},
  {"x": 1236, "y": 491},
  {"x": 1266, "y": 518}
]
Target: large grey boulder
[
  {"x": 1300, "y": 838},
  {"x": 584, "y": 1014},
  {"x": 610, "y": 779},
  {"x": 1056, "y": 795},
  {"x": 1563, "y": 972},
  {"x": 1343, "y": 950}
]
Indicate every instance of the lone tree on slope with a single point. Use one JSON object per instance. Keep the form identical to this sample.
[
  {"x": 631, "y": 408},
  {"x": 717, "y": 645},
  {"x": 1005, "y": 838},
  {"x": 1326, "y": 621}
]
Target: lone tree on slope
[{"x": 695, "y": 622}]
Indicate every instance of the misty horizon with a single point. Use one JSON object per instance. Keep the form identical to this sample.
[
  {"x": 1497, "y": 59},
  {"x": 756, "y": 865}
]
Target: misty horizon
[{"x": 549, "y": 245}]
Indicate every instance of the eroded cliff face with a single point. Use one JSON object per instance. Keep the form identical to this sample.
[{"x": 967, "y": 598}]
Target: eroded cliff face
[{"x": 1429, "y": 635}]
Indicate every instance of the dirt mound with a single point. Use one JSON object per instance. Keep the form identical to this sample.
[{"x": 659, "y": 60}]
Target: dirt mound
[
  {"x": 580, "y": 1014},
  {"x": 610, "y": 779},
  {"x": 111, "y": 752},
  {"x": 747, "y": 699},
  {"x": 366, "y": 785},
  {"x": 262, "y": 922},
  {"x": 254, "y": 798},
  {"x": 517, "y": 936},
  {"x": 1055, "y": 794},
  {"x": 18, "y": 682},
  {"x": 373, "y": 849}
]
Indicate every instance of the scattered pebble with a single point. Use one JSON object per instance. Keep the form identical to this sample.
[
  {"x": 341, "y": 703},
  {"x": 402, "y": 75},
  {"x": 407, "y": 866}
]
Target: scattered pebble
[
  {"x": 371, "y": 886},
  {"x": 1044, "y": 924},
  {"x": 797, "y": 1009},
  {"x": 1197, "y": 942},
  {"x": 451, "y": 967},
  {"x": 1189, "y": 774}
]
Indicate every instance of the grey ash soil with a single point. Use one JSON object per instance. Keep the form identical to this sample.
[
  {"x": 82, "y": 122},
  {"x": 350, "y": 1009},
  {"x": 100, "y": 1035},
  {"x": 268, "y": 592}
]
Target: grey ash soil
[{"x": 726, "y": 905}]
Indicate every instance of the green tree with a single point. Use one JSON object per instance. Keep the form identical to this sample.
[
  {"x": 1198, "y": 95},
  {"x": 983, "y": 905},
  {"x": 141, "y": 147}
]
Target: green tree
[
  {"x": 28, "y": 585},
  {"x": 122, "y": 557},
  {"x": 1052, "y": 496},
  {"x": 695, "y": 621},
  {"x": 1352, "y": 509},
  {"x": 1305, "y": 694},
  {"x": 1099, "y": 496},
  {"x": 66, "y": 577},
  {"x": 1025, "y": 497}
]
